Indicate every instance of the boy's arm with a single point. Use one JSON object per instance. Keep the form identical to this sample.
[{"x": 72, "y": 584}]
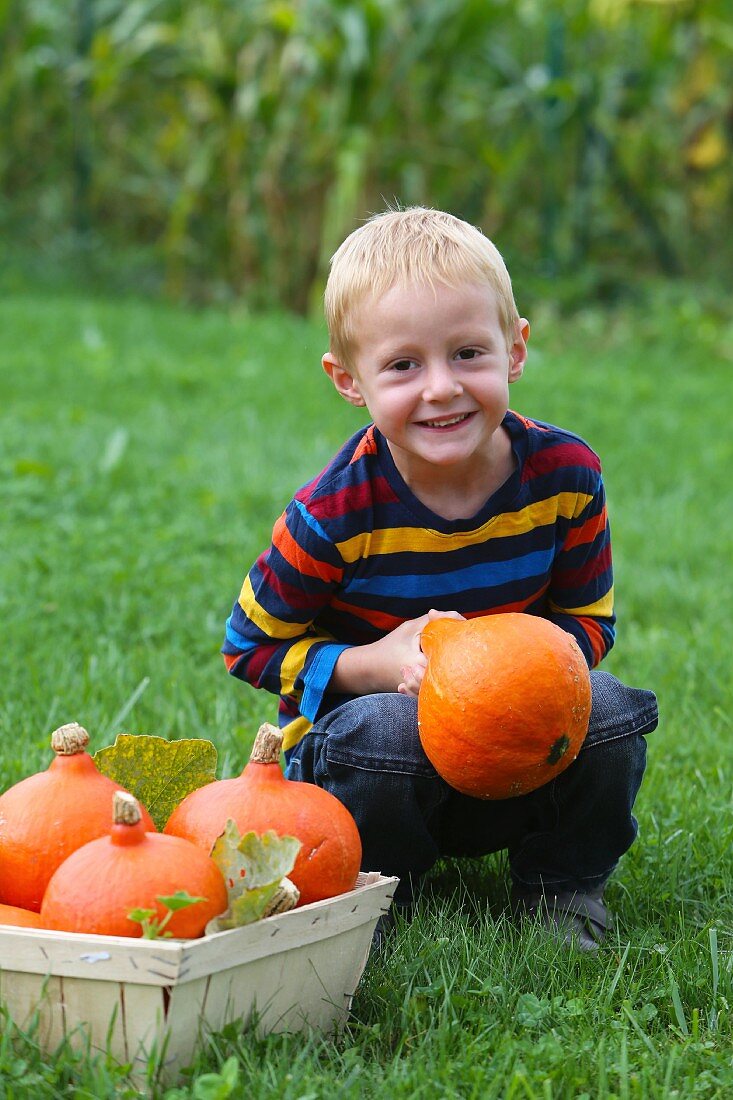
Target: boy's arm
[
  {"x": 395, "y": 662},
  {"x": 580, "y": 598},
  {"x": 270, "y": 641}
]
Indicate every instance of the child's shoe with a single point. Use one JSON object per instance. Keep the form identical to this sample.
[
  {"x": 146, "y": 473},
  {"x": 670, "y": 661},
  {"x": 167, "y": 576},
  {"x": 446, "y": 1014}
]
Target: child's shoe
[{"x": 577, "y": 919}]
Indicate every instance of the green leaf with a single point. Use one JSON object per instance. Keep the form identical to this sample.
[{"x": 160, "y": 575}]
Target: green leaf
[
  {"x": 160, "y": 773},
  {"x": 180, "y": 900},
  {"x": 141, "y": 915},
  {"x": 218, "y": 1086}
]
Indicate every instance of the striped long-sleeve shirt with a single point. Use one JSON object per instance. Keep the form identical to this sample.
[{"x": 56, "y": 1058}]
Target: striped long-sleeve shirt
[{"x": 355, "y": 554}]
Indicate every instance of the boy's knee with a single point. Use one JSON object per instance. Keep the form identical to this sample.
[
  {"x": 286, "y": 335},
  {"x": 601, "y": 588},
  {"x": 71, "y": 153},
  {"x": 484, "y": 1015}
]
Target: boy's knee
[{"x": 619, "y": 711}]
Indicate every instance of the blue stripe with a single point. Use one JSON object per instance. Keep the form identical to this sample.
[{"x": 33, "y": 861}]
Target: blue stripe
[
  {"x": 238, "y": 640},
  {"x": 312, "y": 523},
  {"x": 483, "y": 575},
  {"x": 317, "y": 677}
]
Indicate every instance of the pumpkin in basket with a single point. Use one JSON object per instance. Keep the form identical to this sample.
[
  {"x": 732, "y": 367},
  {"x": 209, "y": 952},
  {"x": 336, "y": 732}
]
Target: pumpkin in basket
[
  {"x": 100, "y": 884},
  {"x": 17, "y": 917},
  {"x": 504, "y": 704},
  {"x": 261, "y": 798},
  {"x": 47, "y": 816}
]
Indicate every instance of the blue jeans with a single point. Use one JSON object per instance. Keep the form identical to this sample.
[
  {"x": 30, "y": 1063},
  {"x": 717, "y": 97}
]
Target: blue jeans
[{"x": 567, "y": 835}]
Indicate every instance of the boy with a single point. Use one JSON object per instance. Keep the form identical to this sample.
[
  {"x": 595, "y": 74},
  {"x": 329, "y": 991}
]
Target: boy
[{"x": 446, "y": 504}]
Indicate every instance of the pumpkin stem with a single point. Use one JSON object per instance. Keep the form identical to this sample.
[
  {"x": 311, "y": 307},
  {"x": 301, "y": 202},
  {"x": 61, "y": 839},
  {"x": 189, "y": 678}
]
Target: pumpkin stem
[
  {"x": 125, "y": 809},
  {"x": 69, "y": 740},
  {"x": 285, "y": 899},
  {"x": 267, "y": 746}
]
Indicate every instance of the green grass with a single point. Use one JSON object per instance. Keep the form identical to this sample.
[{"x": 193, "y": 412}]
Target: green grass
[{"x": 145, "y": 452}]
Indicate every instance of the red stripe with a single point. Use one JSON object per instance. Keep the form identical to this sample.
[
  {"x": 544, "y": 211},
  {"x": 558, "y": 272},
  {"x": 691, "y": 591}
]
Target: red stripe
[
  {"x": 505, "y": 608},
  {"x": 530, "y": 425},
  {"x": 257, "y": 662},
  {"x": 380, "y": 620},
  {"x": 295, "y": 599},
  {"x": 352, "y": 499},
  {"x": 367, "y": 446},
  {"x": 554, "y": 458},
  {"x": 383, "y": 621},
  {"x": 595, "y": 636},
  {"x": 296, "y": 556},
  {"x": 592, "y": 527},
  {"x": 578, "y": 578}
]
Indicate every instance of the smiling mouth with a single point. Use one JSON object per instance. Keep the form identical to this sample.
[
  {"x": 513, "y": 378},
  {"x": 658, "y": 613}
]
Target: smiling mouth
[{"x": 446, "y": 421}]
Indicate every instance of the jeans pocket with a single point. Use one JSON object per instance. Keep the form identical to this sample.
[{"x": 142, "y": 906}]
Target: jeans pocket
[{"x": 376, "y": 733}]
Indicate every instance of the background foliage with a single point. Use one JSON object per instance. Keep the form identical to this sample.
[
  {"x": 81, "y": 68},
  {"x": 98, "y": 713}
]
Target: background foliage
[{"x": 232, "y": 143}]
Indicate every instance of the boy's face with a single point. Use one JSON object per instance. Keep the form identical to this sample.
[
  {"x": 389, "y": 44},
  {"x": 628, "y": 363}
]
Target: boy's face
[{"x": 433, "y": 368}]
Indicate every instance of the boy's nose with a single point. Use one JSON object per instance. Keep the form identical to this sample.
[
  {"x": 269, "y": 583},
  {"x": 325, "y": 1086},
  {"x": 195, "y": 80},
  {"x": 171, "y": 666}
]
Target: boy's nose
[{"x": 441, "y": 383}]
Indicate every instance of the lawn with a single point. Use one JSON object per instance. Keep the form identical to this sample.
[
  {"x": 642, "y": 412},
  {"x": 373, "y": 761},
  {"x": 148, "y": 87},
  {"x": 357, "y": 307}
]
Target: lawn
[{"x": 145, "y": 451}]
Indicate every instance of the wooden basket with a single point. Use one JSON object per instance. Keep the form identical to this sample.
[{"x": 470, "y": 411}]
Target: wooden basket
[{"x": 139, "y": 999}]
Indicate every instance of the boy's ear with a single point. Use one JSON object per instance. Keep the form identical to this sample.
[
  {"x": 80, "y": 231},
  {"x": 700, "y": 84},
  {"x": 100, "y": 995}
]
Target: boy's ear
[
  {"x": 518, "y": 350},
  {"x": 342, "y": 380}
]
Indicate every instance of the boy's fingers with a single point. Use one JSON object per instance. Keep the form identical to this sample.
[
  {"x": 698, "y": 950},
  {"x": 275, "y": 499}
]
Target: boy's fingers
[{"x": 410, "y": 684}]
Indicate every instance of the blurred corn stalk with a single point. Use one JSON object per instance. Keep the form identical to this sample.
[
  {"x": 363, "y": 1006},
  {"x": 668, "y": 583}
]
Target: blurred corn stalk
[{"x": 242, "y": 139}]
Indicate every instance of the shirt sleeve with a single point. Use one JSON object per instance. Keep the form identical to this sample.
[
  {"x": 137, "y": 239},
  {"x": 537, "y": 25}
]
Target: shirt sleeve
[
  {"x": 580, "y": 598},
  {"x": 271, "y": 640}
]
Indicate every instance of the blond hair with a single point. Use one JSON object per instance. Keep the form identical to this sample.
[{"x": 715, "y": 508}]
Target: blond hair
[{"x": 412, "y": 245}]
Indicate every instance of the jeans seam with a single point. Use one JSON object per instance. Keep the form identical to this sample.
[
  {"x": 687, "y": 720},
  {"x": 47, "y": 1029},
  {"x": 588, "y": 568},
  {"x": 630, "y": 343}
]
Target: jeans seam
[
  {"x": 646, "y": 724},
  {"x": 380, "y": 766},
  {"x": 545, "y": 881},
  {"x": 597, "y": 742}
]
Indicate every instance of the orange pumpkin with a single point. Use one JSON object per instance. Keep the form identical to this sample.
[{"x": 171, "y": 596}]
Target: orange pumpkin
[
  {"x": 47, "y": 816},
  {"x": 96, "y": 888},
  {"x": 19, "y": 918},
  {"x": 504, "y": 704},
  {"x": 261, "y": 798}
]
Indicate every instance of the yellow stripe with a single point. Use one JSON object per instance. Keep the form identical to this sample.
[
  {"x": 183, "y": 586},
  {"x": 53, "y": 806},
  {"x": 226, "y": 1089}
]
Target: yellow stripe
[
  {"x": 268, "y": 624},
  {"x": 295, "y": 731},
  {"x": 418, "y": 540},
  {"x": 292, "y": 666},
  {"x": 604, "y": 607}
]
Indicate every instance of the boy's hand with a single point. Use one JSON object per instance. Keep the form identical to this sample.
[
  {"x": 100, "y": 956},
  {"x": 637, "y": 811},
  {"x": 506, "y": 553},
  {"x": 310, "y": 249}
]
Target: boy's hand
[
  {"x": 412, "y": 674},
  {"x": 393, "y": 663}
]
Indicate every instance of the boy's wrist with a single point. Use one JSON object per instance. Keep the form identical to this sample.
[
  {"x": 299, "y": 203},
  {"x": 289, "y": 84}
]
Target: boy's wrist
[{"x": 357, "y": 672}]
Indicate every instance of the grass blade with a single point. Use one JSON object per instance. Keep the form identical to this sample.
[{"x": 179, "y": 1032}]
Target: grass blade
[
  {"x": 679, "y": 1011},
  {"x": 126, "y": 707},
  {"x": 713, "y": 1017},
  {"x": 619, "y": 971}
]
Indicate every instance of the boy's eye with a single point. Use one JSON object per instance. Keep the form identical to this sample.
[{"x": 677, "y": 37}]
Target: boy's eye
[
  {"x": 403, "y": 365},
  {"x": 468, "y": 353}
]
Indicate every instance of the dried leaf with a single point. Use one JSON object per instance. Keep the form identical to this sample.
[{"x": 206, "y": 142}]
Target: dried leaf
[
  {"x": 160, "y": 773},
  {"x": 253, "y": 867},
  {"x": 267, "y": 858}
]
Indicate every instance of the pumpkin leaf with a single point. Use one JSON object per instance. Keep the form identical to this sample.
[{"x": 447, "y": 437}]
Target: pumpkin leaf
[
  {"x": 267, "y": 858},
  {"x": 154, "y": 927},
  {"x": 180, "y": 900},
  {"x": 250, "y": 906},
  {"x": 158, "y": 772},
  {"x": 253, "y": 867},
  {"x": 141, "y": 915}
]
